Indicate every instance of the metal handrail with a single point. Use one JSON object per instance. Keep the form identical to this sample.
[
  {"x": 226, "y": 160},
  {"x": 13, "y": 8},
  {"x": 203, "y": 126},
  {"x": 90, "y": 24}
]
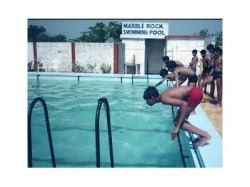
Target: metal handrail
[
  {"x": 78, "y": 77},
  {"x": 48, "y": 131},
  {"x": 97, "y": 132},
  {"x": 179, "y": 142},
  {"x": 196, "y": 149}
]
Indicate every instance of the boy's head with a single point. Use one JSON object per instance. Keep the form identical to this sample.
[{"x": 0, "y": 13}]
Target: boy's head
[
  {"x": 210, "y": 48},
  {"x": 194, "y": 52},
  {"x": 165, "y": 59},
  {"x": 218, "y": 50},
  {"x": 150, "y": 95},
  {"x": 171, "y": 65},
  {"x": 203, "y": 53},
  {"x": 163, "y": 73}
]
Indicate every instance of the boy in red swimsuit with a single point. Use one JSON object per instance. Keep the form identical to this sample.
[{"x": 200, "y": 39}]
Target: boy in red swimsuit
[{"x": 186, "y": 98}]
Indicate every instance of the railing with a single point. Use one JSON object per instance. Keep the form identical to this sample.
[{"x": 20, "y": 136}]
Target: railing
[
  {"x": 48, "y": 131},
  {"x": 79, "y": 77},
  {"x": 179, "y": 142},
  {"x": 196, "y": 150},
  {"x": 97, "y": 133}
]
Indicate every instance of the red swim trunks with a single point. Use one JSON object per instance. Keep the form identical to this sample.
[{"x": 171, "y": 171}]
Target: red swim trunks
[{"x": 194, "y": 97}]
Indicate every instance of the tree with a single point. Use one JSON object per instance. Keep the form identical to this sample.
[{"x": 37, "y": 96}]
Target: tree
[
  {"x": 114, "y": 31},
  {"x": 204, "y": 32},
  {"x": 39, "y": 34},
  {"x": 102, "y": 33},
  {"x": 34, "y": 32},
  {"x": 83, "y": 38},
  {"x": 98, "y": 33},
  {"x": 218, "y": 39},
  {"x": 59, "y": 38},
  {"x": 218, "y": 36}
]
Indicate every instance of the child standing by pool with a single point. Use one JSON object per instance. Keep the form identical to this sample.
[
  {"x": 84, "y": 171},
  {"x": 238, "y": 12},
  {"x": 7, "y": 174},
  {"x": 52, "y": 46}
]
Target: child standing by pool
[
  {"x": 210, "y": 48},
  {"x": 194, "y": 61},
  {"x": 216, "y": 74},
  {"x": 205, "y": 67},
  {"x": 187, "y": 99}
]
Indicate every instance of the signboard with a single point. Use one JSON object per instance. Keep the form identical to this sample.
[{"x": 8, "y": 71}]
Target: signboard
[{"x": 144, "y": 30}]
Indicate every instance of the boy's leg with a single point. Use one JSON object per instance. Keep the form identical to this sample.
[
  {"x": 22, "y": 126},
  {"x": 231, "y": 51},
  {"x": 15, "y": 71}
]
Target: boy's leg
[
  {"x": 202, "y": 79},
  {"x": 206, "y": 81},
  {"x": 199, "y": 80},
  {"x": 204, "y": 136},
  {"x": 212, "y": 88},
  {"x": 205, "y": 90},
  {"x": 219, "y": 91}
]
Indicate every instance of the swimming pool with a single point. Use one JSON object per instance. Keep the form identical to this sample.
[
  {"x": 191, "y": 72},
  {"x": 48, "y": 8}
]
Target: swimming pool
[{"x": 141, "y": 134}]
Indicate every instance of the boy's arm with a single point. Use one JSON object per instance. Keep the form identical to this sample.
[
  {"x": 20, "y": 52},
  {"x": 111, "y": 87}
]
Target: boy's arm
[
  {"x": 195, "y": 61},
  {"x": 183, "y": 108},
  {"x": 211, "y": 72},
  {"x": 160, "y": 82},
  {"x": 176, "y": 77}
]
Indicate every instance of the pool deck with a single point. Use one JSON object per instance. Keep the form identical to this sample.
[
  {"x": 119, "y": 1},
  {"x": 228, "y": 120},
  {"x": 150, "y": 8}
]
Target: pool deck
[{"x": 212, "y": 151}]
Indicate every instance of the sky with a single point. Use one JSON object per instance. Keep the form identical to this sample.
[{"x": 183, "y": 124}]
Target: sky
[{"x": 73, "y": 28}]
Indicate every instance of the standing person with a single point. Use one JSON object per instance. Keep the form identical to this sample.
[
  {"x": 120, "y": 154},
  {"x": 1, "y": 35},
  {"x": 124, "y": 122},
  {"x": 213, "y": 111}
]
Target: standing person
[
  {"x": 165, "y": 59},
  {"x": 210, "y": 48},
  {"x": 204, "y": 61},
  {"x": 187, "y": 99},
  {"x": 194, "y": 61},
  {"x": 182, "y": 72},
  {"x": 216, "y": 74}
]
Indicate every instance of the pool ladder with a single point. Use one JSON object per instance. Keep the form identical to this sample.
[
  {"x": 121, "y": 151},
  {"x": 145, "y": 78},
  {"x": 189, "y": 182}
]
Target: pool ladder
[
  {"x": 196, "y": 150},
  {"x": 48, "y": 131},
  {"x": 97, "y": 131}
]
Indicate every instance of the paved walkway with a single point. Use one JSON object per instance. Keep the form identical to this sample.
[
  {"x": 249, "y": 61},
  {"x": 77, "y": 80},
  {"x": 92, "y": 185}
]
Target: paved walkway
[{"x": 214, "y": 114}]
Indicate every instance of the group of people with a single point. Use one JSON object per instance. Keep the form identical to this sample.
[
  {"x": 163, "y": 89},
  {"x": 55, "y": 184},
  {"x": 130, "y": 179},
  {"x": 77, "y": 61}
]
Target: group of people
[{"x": 187, "y": 98}]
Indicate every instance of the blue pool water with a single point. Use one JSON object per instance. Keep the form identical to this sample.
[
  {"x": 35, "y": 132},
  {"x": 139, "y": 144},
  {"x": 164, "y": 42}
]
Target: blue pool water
[{"x": 141, "y": 134}]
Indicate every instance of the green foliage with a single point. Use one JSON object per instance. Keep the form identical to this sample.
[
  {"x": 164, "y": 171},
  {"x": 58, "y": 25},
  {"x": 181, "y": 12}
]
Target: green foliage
[
  {"x": 30, "y": 68},
  {"x": 38, "y": 34},
  {"x": 105, "y": 68},
  {"x": 114, "y": 31},
  {"x": 102, "y": 33},
  {"x": 39, "y": 64},
  {"x": 218, "y": 39},
  {"x": 90, "y": 68},
  {"x": 98, "y": 33},
  {"x": 34, "y": 32},
  {"x": 50, "y": 38},
  {"x": 204, "y": 32},
  {"x": 81, "y": 69},
  {"x": 218, "y": 36}
]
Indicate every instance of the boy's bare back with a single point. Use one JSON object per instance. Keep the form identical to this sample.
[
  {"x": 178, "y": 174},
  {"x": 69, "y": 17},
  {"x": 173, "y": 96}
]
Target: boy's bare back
[{"x": 179, "y": 92}]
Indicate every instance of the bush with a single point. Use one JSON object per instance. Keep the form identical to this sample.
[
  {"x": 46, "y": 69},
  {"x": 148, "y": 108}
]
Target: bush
[
  {"x": 81, "y": 69},
  {"x": 105, "y": 68}
]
